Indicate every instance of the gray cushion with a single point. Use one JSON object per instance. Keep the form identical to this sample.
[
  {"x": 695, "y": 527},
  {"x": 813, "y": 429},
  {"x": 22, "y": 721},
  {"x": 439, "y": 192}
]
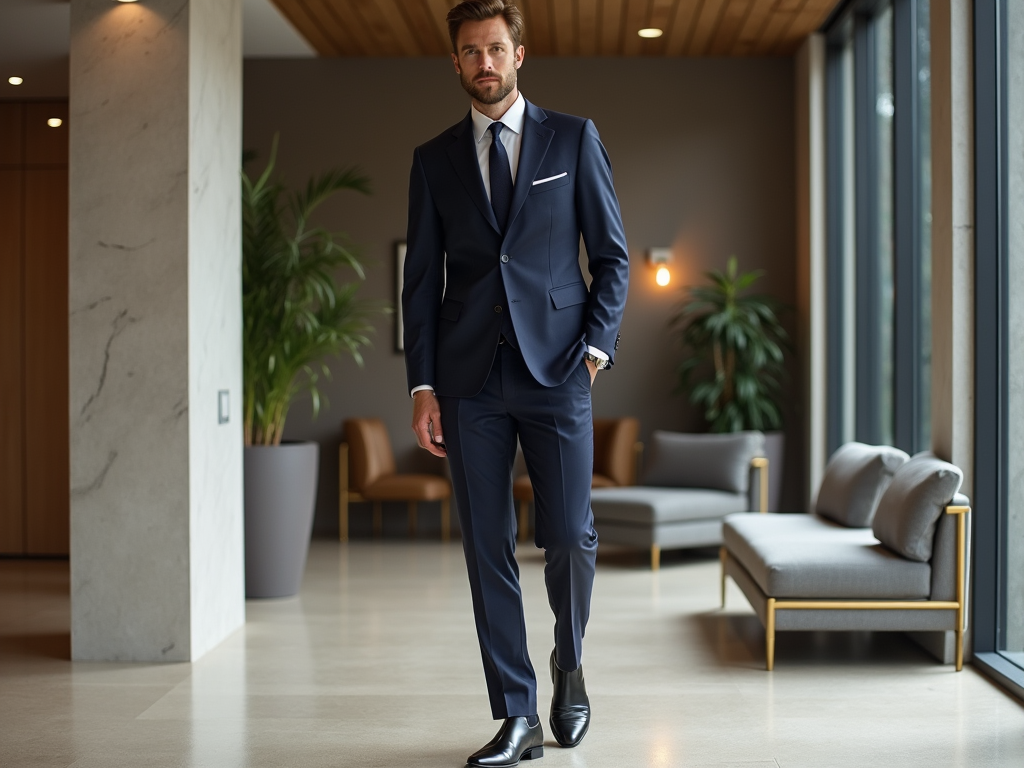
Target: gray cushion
[
  {"x": 640, "y": 505},
  {"x": 826, "y": 561},
  {"x": 855, "y": 478},
  {"x": 720, "y": 462},
  {"x": 910, "y": 507},
  {"x": 745, "y": 527}
]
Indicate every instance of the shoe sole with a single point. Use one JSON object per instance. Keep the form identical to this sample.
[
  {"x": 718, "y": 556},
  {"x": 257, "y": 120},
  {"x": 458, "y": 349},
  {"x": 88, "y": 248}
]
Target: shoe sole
[{"x": 533, "y": 753}]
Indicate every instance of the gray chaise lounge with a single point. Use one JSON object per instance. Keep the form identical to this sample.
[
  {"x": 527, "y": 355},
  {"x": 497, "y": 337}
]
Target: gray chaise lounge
[
  {"x": 908, "y": 572},
  {"x": 691, "y": 482}
]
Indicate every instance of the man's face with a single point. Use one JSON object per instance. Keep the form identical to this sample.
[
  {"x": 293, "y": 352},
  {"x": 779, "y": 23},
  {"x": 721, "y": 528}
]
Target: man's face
[{"x": 487, "y": 60}]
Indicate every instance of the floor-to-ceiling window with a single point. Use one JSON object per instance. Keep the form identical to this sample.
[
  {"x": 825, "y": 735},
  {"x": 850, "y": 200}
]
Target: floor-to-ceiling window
[
  {"x": 999, "y": 340},
  {"x": 878, "y": 103}
]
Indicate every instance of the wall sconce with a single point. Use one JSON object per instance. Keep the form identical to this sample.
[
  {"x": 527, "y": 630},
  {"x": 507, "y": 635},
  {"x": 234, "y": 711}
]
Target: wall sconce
[{"x": 659, "y": 259}]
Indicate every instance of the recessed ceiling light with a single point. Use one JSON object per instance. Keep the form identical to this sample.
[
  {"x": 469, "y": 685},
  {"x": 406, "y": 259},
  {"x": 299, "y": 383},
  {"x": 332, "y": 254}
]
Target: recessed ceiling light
[
  {"x": 55, "y": 122},
  {"x": 15, "y": 80},
  {"x": 127, "y": 1},
  {"x": 650, "y": 32}
]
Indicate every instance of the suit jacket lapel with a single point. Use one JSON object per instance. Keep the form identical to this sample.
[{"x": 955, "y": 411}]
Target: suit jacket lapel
[
  {"x": 462, "y": 153},
  {"x": 536, "y": 140}
]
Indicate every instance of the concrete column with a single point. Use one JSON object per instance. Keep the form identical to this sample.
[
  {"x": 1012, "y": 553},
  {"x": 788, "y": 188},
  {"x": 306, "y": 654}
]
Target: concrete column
[
  {"x": 952, "y": 72},
  {"x": 811, "y": 257},
  {"x": 155, "y": 302}
]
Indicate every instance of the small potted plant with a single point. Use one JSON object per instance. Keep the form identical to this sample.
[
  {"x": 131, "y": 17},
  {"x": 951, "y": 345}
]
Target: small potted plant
[
  {"x": 733, "y": 365},
  {"x": 296, "y": 316}
]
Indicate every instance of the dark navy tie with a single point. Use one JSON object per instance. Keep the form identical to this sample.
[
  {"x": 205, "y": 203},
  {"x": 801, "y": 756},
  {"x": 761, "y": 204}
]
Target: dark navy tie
[{"x": 501, "y": 177}]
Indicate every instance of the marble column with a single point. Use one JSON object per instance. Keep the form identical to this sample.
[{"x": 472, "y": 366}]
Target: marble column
[{"x": 155, "y": 321}]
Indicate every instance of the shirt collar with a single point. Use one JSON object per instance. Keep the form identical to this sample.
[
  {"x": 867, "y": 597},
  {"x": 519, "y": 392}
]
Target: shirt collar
[{"x": 513, "y": 119}]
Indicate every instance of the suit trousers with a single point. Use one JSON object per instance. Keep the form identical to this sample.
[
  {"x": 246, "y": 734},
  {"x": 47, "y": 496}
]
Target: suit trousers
[{"x": 555, "y": 428}]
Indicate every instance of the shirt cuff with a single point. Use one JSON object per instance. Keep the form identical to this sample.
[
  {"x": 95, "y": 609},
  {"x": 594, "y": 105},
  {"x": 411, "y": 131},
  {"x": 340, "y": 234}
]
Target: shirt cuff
[
  {"x": 595, "y": 352},
  {"x": 420, "y": 389}
]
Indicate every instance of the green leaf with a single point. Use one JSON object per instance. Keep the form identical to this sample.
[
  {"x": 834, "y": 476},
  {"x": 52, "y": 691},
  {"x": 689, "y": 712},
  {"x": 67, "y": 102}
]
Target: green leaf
[
  {"x": 746, "y": 329},
  {"x": 297, "y": 310}
]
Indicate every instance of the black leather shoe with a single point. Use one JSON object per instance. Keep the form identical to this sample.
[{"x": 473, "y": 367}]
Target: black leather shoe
[
  {"x": 516, "y": 740},
  {"x": 570, "y": 707}
]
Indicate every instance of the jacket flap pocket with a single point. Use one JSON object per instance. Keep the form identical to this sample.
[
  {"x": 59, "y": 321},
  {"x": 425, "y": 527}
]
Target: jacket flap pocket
[
  {"x": 450, "y": 309},
  {"x": 568, "y": 295}
]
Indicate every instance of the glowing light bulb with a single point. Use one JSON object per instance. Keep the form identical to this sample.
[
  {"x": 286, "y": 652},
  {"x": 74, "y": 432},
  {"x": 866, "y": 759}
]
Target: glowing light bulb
[
  {"x": 663, "y": 276},
  {"x": 650, "y": 32},
  {"x": 55, "y": 122},
  {"x": 15, "y": 80}
]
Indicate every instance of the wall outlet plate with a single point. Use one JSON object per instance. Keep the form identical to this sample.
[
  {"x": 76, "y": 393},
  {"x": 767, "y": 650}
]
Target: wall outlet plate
[{"x": 223, "y": 406}]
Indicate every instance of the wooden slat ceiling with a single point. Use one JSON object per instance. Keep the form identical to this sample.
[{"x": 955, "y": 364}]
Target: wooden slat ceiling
[{"x": 567, "y": 27}]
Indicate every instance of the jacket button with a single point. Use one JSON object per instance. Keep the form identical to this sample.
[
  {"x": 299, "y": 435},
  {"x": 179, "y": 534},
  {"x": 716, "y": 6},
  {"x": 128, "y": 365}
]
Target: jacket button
[
  {"x": 504, "y": 258},
  {"x": 498, "y": 309}
]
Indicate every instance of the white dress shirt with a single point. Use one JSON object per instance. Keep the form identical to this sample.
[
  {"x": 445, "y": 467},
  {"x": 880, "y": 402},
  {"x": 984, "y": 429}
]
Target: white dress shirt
[{"x": 511, "y": 137}]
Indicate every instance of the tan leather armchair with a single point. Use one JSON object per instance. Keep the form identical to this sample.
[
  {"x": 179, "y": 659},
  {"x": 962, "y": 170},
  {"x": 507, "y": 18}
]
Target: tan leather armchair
[
  {"x": 616, "y": 456},
  {"x": 367, "y": 472}
]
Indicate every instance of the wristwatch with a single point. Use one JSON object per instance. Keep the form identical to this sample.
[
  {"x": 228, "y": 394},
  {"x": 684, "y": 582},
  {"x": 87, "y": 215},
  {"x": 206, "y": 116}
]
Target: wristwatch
[{"x": 599, "y": 362}]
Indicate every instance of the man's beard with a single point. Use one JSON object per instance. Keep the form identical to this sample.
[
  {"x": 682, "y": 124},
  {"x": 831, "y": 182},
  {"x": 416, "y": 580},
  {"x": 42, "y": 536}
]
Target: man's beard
[{"x": 505, "y": 86}]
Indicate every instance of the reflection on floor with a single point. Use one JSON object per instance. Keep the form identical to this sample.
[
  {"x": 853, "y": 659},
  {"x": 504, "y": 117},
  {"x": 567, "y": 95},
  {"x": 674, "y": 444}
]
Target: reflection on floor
[{"x": 376, "y": 664}]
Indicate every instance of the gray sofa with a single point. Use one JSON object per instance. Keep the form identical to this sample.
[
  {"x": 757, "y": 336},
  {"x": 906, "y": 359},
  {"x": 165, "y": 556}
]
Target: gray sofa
[
  {"x": 907, "y": 572},
  {"x": 690, "y": 484}
]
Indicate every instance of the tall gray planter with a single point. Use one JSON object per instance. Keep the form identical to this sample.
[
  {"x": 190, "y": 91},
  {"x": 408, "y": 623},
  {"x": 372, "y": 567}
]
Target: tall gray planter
[
  {"x": 280, "y": 495},
  {"x": 775, "y": 452}
]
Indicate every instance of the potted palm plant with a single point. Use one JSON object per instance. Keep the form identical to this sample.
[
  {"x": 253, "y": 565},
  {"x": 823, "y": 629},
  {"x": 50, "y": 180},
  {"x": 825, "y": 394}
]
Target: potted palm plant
[
  {"x": 296, "y": 316},
  {"x": 733, "y": 365}
]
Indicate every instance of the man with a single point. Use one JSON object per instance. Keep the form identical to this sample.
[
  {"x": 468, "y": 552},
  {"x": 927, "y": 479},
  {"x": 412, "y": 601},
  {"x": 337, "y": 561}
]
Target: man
[{"x": 503, "y": 340}]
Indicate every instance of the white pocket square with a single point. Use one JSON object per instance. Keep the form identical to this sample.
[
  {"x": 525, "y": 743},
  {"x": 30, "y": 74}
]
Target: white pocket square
[{"x": 550, "y": 178}]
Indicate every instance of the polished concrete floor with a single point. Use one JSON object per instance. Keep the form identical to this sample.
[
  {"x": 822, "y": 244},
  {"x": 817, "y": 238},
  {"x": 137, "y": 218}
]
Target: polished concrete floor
[{"x": 376, "y": 664}]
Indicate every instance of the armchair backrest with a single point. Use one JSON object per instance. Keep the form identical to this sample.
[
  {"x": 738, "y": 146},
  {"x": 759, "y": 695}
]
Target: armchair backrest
[
  {"x": 370, "y": 454},
  {"x": 714, "y": 461},
  {"x": 614, "y": 446}
]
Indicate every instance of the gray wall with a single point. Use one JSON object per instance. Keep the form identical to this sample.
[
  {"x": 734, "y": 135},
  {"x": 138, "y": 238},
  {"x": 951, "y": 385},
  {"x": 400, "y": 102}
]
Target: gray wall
[{"x": 703, "y": 154}]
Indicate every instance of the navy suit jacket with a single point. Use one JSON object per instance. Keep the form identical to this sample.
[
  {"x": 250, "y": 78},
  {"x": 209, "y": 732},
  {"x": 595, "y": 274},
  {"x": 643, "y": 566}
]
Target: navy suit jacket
[{"x": 462, "y": 274}]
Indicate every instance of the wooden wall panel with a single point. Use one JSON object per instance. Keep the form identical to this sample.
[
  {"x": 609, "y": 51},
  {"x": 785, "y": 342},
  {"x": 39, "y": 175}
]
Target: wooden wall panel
[
  {"x": 11, "y": 133},
  {"x": 750, "y": 32},
  {"x": 705, "y": 26},
  {"x": 780, "y": 20},
  {"x": 589, "y": 26},
  {"x": 564, "y": 30},
  {"x": 429, "y": 34},
  {"x": 438, "y": 10},
  {"x": 662, "y": 17},
  {"x": 681, "y": 30},
  {"x": 12, "y": 511},
  {"x": 46, "y": 361},
  {"x": 733, "y": 17},
  {"x": 538, "y": 38},
  {"x": 45, "y": 145},
  {"x": 611, "y": 27},
  {"x": 567, "y": 27},
  {"x": 636, "y": 18}
]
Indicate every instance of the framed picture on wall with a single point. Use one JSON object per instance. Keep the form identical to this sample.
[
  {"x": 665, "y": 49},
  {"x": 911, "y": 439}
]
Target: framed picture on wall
[{"x": 399, "y": 278}]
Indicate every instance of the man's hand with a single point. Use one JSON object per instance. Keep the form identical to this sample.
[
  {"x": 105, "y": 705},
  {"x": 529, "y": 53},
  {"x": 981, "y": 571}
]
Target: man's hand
[
  {"x": 426, "y": 414},
  {"x": 593, "y": 371}
]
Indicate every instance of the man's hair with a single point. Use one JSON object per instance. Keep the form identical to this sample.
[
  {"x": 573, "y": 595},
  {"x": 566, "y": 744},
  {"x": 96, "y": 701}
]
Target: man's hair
[{"x": 481, "y": 10}]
